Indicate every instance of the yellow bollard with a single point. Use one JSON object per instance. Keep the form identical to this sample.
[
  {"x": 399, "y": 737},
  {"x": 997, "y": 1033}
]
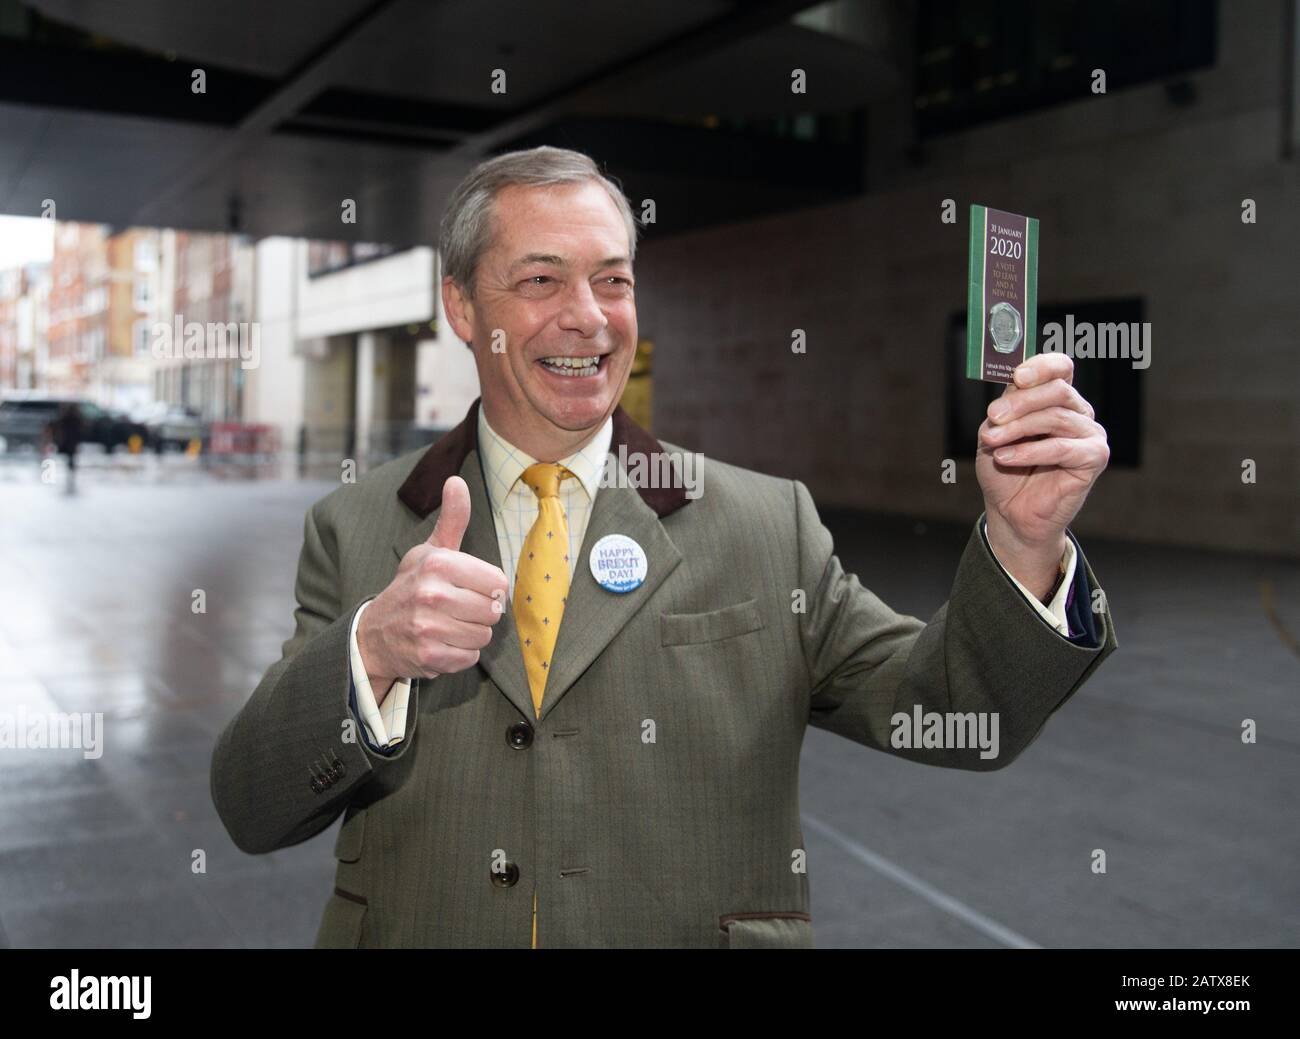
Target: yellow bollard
[{"x": 638, "y": 394}]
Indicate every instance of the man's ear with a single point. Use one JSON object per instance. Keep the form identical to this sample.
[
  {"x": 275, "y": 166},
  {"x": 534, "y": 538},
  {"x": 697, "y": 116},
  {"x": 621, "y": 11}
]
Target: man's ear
[{"x": 459, "y": 309}]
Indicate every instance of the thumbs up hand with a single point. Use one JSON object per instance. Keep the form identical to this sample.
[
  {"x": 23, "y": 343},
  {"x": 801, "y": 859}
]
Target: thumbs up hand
[{"x": 438, "y": 611}]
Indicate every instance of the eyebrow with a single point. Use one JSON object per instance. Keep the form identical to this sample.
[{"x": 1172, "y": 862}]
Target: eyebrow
[{"x": 559, "y": 261}]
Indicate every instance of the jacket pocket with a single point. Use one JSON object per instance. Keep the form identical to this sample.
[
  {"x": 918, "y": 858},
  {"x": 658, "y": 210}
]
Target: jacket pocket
[
  {"x": 347, "y": 846},
  {"x": 766, "y": 931},
  {"x": 340, "y": 927},
  {"x": 684, "y": 629}
]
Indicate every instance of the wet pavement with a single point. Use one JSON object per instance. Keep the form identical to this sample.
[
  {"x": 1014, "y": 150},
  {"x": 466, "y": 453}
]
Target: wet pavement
[{"x": 1146, "y": 762}]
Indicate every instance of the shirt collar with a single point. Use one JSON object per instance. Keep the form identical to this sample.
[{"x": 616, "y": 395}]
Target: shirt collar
[{"x": 503, "y": 463}]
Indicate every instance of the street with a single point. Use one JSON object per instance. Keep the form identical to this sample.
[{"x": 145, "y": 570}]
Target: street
[{"x": 1146, "y": 762}]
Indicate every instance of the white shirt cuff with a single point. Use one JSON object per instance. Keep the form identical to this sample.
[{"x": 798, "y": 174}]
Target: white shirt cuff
[
  {"x": 1054, "y": 612},
  {"x": 386, "y": 724}
]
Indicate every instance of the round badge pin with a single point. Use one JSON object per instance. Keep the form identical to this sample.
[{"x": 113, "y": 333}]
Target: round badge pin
[{"x": 618, "y": 563}]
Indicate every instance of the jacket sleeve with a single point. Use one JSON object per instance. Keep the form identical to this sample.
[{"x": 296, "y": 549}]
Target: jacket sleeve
[
  {"x": 291, "y": 760},
  {"x": 986, "y": 657}
]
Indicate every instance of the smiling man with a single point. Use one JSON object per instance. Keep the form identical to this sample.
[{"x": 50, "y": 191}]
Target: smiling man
[{"x": 528, "y": 750}]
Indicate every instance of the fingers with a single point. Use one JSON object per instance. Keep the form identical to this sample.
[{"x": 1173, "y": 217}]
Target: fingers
[
  {"x": 1045, "y": 405},
  {"x": 447, "y": 660},
  {"x": 1052, "y": 421},
  {"x": 1043, "y": 368},
  {"x": 1016, "y": 402},
  {"x": 459, "y": 635},
  {"x": 1090, "y": 453},
  {"x": 466, "y": 571},
  {"x": 444, "y": 645},
  {"x": 447, "y": 627},
  {"x": 453, "y": 518},
  {"x": 461, "y": 604}
]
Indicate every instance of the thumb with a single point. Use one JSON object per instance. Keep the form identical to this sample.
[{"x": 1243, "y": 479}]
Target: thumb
[{"x": 454, "y": 517}]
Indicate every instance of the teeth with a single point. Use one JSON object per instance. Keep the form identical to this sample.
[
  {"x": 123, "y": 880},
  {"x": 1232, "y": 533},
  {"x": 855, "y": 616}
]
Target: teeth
[{"x": 572, "y": 366}]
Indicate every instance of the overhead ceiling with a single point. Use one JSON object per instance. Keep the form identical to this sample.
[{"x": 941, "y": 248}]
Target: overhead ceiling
[{"x": 389, "y": 102}]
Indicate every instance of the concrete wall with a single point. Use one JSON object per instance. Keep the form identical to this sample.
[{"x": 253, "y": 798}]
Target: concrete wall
[
  {"x": 1135, "y": 197},
  {"x": 446, "y": 377},
  {"x": 395, "y": 290},
  {"x": 274, "y": 391}
]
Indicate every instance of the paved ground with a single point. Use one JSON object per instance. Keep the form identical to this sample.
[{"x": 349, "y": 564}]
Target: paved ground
[{"x": 1146, "y": 762}]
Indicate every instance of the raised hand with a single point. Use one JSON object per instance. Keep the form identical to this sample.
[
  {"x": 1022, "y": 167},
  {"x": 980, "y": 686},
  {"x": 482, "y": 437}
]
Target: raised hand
[{"x": 438, "y": 611}]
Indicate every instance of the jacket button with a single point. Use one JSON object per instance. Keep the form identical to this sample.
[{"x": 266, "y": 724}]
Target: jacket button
[
  {"x": 520, "y": 736},
  {"x": 508, "y": 877},
  {"x": 317, "y": 785}
]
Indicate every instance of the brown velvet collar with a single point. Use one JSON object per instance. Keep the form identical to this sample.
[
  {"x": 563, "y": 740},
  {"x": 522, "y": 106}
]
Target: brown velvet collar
[{"x": 422, "y": 491}]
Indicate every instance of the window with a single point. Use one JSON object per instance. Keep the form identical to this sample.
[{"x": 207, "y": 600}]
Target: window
[
  {"x": 146, "y": 256},
  {"x": 327, "y": 257},
  {"x": 979, "y": 60},
  {"x": 143, "y": 292},
  {"x": 143, "y": 338}
]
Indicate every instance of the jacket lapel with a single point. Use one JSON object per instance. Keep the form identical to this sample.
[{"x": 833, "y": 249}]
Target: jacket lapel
[
  {"x": 501, "y": 658},
  {"x": 592, "y": 616}
]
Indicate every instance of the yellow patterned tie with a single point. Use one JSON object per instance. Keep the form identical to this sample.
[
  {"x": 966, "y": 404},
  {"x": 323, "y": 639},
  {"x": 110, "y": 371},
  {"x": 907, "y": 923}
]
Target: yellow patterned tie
[{"x": 542, "y": 586}]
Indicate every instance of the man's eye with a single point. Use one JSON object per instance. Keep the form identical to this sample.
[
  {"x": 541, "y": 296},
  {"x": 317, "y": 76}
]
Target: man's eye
[{"x": 537, "y": 279}]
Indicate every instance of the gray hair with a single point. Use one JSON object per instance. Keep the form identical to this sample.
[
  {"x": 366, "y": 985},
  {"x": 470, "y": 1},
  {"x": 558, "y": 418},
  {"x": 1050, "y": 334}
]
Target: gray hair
[{"x": 466, "y": 230}]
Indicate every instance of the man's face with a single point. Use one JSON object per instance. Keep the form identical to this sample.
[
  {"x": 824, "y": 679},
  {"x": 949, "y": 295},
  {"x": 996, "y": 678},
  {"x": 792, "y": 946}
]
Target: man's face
[{"x": 555, "y": 285}]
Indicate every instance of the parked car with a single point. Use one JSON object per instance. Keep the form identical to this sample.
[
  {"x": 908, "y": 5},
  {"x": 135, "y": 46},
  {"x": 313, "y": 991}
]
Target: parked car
[
  {"x": 123, "y": 428},
  {"x": 171, "y": 428},
  {"x": 25, "y": 421}
]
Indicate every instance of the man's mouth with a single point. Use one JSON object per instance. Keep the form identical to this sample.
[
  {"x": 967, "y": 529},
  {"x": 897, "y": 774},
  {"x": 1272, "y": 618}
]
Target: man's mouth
[{"x": 573, "y": 367}]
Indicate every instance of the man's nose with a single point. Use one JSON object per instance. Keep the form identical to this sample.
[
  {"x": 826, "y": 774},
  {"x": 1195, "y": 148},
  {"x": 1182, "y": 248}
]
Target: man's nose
[{"x": 581, "y": 311}]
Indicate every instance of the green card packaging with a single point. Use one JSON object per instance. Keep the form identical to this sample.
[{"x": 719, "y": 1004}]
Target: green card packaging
[{"x": 1002, "y": 307}]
